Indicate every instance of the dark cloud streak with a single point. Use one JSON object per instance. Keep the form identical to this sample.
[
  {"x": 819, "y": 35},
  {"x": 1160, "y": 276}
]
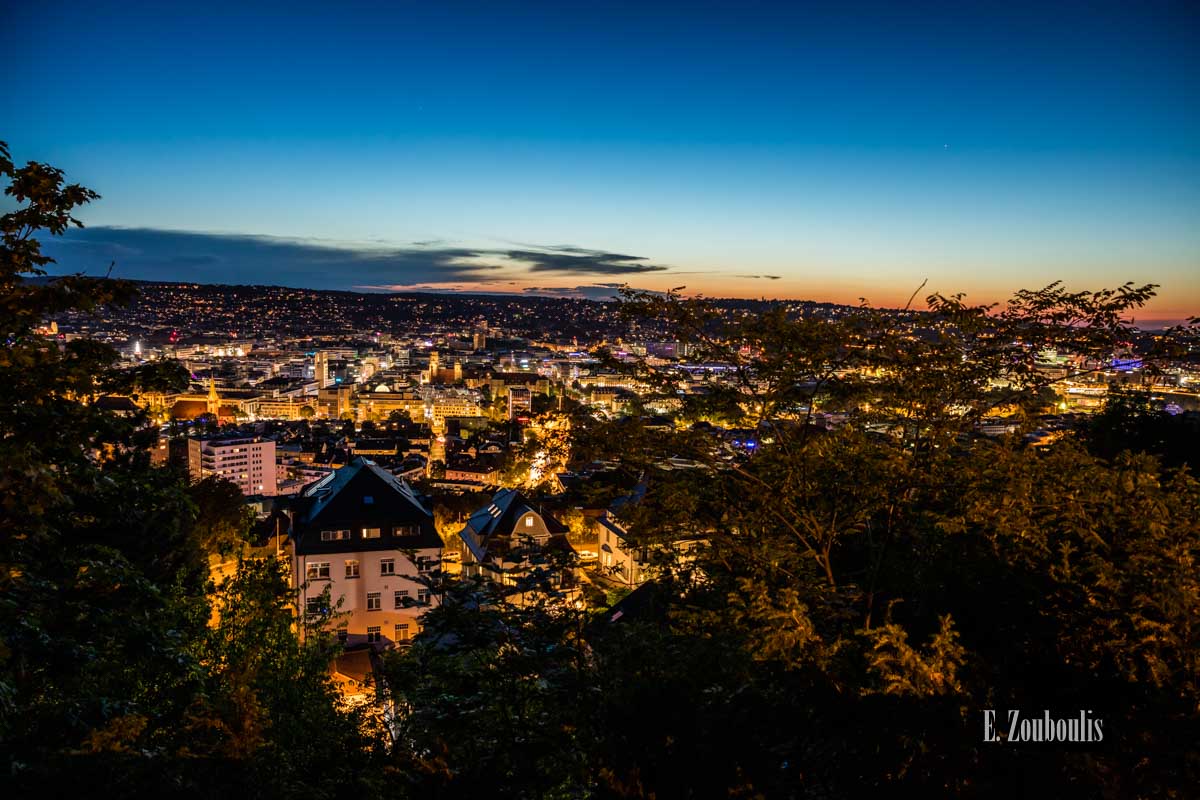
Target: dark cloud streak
[
  {"x": 165, "y": 255},
  {"x": 576, "y": 260}
]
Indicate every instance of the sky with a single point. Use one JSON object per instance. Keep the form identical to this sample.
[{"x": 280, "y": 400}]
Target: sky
[{"x": 826, "y": 151}]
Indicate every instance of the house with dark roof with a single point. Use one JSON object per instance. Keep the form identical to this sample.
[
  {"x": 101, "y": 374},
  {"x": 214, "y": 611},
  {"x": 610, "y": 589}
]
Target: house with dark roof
[
  {"x": 516, "y": 545},
  {"x": 625, "y": 559},
  {"x": 364, "y": 543},
  {"x": 121, "y": 405}
]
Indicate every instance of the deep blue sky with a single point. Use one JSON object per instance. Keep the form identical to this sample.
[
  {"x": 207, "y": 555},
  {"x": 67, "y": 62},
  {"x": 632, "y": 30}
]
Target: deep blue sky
[{"x": 846, "y": 148}]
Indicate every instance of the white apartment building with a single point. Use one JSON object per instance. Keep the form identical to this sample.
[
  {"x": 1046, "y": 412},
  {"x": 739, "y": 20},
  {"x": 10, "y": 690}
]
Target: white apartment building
[
  {"x": 248, "y": 462},
  {"x": 367, "y": 538}
]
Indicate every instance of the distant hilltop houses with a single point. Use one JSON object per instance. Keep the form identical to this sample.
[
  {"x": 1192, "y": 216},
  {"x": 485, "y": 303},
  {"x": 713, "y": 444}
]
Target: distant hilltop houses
[{"x": 271, "y": 353}]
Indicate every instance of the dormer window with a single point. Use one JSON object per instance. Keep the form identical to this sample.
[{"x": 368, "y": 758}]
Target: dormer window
[
  {"x": 368, "y": 500},
  {"x": 529, "y": 521},
  {"x": 371, "y": 533}
]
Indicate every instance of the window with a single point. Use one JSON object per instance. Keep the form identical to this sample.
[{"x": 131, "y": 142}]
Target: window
[
  {"x": 351, "y": 569},
  {"x": 368, "y": 500},
  {"x": 422, "y": 597},
  {"x": 370, "y": 533},
  {"x": 387, "y": 566},
  {"x": 424, "y": 564},
  {"x": 373, "y": 634},
  {"x": 529, "y": 522},
  {"x": 343, "y": 635},
  {"x": 317, "y": 571},
  {"x": 401, "y": 598},
  {"x": 313, "y": 605},
  {"x": 373, "y": 603},
  {"x": 333, "y": 536},
  {"x": 402, "y": 632}
]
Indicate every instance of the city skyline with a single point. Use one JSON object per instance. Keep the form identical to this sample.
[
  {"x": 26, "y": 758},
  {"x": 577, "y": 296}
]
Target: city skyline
[{"x": 734, "y": 151}]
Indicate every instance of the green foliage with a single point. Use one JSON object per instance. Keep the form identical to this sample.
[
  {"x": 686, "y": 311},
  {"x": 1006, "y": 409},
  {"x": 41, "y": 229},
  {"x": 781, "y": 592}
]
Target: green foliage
[
  {"x": 222, "y": 518},
  {"x": 1132, "y": 420},
  {"x": 858, "y": 593},
  {"x": 110, "y": 679},
  {"x": 488, "y": 696},
  {"x": 101, "y": 586},
  {"x": 271, "y": 702}
]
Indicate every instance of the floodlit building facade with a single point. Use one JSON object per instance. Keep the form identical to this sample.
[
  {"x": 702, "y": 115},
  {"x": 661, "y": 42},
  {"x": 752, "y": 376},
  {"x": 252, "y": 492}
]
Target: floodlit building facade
[
  {"x": 365, "y": 547},
  {"x": 248, "y": 461}
]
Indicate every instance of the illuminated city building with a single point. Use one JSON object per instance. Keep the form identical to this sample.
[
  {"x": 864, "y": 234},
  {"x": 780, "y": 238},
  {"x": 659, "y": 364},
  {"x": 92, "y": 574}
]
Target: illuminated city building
[
  {"x": 247, "y": 461},
  {"x": 364, "y": 541}
]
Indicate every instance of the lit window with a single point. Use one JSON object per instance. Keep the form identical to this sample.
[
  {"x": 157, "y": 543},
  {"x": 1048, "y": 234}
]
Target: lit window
[
  {"x": 317, "y": 571},
  {"x": 373, "y": 634},
  {"x": 402, "y": 632},
  {"x": 351, "y": 569},
  {"x": 373, "y": 602},
  {"x": 332, "y": 536},
  {"x": 387, "y": 566},
  {"x": 529, "y": 522},
  {"x": 370, "y": 533}
]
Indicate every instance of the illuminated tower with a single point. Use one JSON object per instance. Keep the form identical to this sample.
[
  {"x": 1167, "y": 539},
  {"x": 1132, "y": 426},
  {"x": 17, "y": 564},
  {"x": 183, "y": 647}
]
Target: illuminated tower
[
  {"x": 433, "y": 366},
  {"x": 321, "y": 369},
  {"x": 458, "y": 370},
  {"x": 214, "y": 401}
]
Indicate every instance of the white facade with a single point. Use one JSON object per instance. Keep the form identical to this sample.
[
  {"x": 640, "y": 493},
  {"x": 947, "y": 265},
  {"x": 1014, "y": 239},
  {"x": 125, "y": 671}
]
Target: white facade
[
  {"x": 249, "y": 462},
  {"x": 377, "y": 596}
]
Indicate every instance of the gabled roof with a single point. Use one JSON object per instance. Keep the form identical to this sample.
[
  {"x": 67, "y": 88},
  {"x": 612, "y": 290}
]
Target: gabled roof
[
  {"x": 498, "y": 520},
  {"x": 324, "y": 491},
  {"x": 362, "y": 494},
  {"x": 614, "y": 527},
  {"x": 501, "y": 515},
  {"x": 118, "y": 403},
  {"x": 608, "y": 519}
]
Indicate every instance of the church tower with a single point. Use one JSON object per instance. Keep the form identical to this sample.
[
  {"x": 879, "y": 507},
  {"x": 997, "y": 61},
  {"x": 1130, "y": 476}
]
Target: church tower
[{"x": 214, "y": 401}]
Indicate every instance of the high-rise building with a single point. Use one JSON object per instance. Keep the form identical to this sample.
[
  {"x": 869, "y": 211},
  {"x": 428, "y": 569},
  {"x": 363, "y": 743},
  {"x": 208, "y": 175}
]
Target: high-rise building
[
  {"x": 480, "y": 340},
  {"x": 321, "y": 369},
  {"x": 248, "y": 462},
  {"x": 520, "y": 401}
]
